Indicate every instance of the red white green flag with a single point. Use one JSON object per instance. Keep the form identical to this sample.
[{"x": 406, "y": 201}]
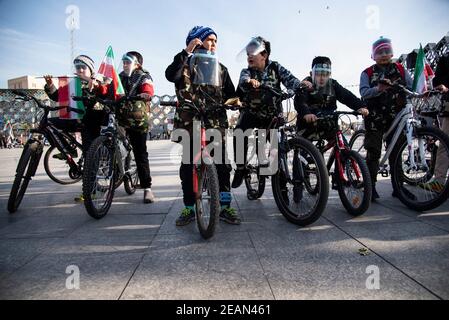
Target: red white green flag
[
  {"x": 423, "y": 73},
  {"x": 68, "y": 87},
  {"x": 109, "y": 73}
]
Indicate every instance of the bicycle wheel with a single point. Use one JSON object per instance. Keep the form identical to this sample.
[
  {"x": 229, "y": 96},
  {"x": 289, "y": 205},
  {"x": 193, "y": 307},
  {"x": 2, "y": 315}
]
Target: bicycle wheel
[
  {"x": 207, "y": 207},
  {"x": 99, "y": 177},
  {"x": 292, "y": 197},
  {"x": 357, "y": 142},
  {"x": 62, "y": 170},
  {"x": 131, "y": 179},
  {"x": 354, "y": 183},
  {"x": 28, "y": 163},
  {"x": 419, "y": 196}
]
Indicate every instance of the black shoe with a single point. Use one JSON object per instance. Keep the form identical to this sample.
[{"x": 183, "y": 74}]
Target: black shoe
[
  {"x": 375, "y": 195},
  {"x": 238, "y": 178},
  {"x": 229, "y": 215},
  {"x": 187, "y": 216}
]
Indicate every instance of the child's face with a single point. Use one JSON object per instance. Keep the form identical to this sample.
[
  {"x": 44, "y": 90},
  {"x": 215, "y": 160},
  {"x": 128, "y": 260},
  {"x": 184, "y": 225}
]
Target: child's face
[
  {"x": 257, "y": 61},
  {"x": 321, "y": 78},
  {"x": 383, "y": 57},
  {"x": 210, "y": 44},
  {"x": 128, "y": 66},
  {"x": 81, "y": 70}
]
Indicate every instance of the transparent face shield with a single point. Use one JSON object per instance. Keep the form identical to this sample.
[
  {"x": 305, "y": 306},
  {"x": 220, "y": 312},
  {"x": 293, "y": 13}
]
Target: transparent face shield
[
  {"x": 321, "y": 75},
  {"x": 205, "y": 68},
  {"x": 253, "y": 48},
  {"x": 128, "y": 64}
]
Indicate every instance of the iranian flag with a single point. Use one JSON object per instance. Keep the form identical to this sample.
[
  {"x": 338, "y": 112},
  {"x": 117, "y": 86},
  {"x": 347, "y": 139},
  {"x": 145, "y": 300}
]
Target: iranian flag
[
  {"x": 423, "y": 73},
  {"x": 109, "y": 74},
  {"x": 68, "y": 87}
]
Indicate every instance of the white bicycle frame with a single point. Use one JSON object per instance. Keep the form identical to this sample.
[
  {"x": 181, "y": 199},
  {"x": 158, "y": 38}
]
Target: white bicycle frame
[{"x": 406, "y": 121}]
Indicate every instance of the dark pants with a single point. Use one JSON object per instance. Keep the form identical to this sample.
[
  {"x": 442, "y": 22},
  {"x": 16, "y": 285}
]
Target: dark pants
[
  {"x": 186, "y": 176},
  {"x": 89, "y": 133},
  {"x": 248, "y": 121},
  {"x": 3, "y": 142},
  {"x": 374, "y": 144},
  {"x": 138, "y": 141}
]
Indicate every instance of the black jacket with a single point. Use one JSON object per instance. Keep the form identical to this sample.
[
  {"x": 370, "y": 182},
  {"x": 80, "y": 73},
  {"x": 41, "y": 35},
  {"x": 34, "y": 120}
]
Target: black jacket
[
  {"x": 442, "y": 73},
  {"x": 308, "y": 102}
]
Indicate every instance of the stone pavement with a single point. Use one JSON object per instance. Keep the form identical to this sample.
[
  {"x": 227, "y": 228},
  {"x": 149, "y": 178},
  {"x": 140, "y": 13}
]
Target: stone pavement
[{"x": 137, "y": 252}]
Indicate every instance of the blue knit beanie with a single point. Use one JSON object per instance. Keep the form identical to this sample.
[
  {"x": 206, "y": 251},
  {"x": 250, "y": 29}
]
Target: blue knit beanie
[{"x": 199, "y": 32}]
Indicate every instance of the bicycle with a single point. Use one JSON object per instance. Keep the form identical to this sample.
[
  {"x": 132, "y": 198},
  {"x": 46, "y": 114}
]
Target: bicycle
[
  {"x": 301, "y": 183},
  {"x": 205, "y": 176},
  {"x": 351, "y": 176},
  {"x": 414, "y": 148},
  {"x": 109, "y": 161},
  {"x": 59, "y": 140},
  {"x": 255, "y": 182}
]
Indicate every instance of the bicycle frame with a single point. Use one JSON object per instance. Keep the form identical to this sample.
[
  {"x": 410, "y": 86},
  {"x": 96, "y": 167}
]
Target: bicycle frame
[
  {"x": 113, "y": 132},
  {"x": 339, "y": 145},
  {"x": 198, "y": 169},
  {"x": 405, "y": 122}
]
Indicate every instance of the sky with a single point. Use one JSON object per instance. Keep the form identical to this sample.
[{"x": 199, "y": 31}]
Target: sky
[{"x": 34, "y": 39}]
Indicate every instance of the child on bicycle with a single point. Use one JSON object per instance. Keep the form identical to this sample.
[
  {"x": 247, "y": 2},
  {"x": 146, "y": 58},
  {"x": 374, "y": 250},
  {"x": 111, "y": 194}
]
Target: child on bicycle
[
  {"x": 179, "y": 72},
  {"x": 134, "y": 116},
  {"x": 383, "y": 103},
  {"x": 94, "y": 116},
  {"x": 259, "y": 108},
  {"x": 321, "y": 95}
]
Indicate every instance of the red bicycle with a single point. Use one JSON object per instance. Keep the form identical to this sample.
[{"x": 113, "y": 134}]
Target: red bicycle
[{"x": 351, "y": 176}]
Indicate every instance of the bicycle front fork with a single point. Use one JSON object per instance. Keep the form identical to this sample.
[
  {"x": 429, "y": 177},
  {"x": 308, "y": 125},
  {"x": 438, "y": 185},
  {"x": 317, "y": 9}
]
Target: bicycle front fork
[{"x": 411, "y": 152}]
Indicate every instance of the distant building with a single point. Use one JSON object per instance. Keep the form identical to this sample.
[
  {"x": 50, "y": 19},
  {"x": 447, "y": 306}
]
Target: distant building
[{"x": 26, "y": 82}]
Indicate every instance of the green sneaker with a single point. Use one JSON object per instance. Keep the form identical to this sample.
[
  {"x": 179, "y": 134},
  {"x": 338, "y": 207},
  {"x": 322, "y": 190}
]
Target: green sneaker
[
  {"x": 433, "y": 186},
  {"x": 229, "y": 215},
  {"x": 187, "y": 216},
  {"x": 79, "y": 198}
]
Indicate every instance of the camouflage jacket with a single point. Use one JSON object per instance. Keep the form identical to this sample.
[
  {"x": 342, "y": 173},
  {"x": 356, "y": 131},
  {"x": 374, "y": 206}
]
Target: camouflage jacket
[
  {"x": 259, "y": 102},
  {"x": 179, "y": 73},
  {"x": 136, "y": 115}
]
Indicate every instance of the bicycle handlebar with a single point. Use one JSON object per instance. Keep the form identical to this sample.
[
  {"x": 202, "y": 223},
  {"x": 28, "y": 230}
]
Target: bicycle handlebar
[
  {"x": 107, "y": 102},
  {"x": 408, "y": 92},
  {"x": 336, "y": 114},
  {"x": 278, "y": 93},
  {"x": 26, "y": 97}
]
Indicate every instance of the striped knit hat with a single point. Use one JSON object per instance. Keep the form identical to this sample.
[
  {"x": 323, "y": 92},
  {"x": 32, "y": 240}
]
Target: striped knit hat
[
  {"x": 83, "y": 59},
  {"x": 381, "y": 44},
  {"x": 199, "y": 32}
]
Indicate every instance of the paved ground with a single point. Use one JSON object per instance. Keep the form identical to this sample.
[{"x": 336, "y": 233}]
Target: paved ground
[{"x": 136, "y": 252}]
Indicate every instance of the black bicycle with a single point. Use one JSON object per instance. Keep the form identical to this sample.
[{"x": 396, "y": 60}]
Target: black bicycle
[
  {"x": 59, "y": 140},
  {"x": 301, "y": 182},
  {"x": 109, "y": 161}
]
